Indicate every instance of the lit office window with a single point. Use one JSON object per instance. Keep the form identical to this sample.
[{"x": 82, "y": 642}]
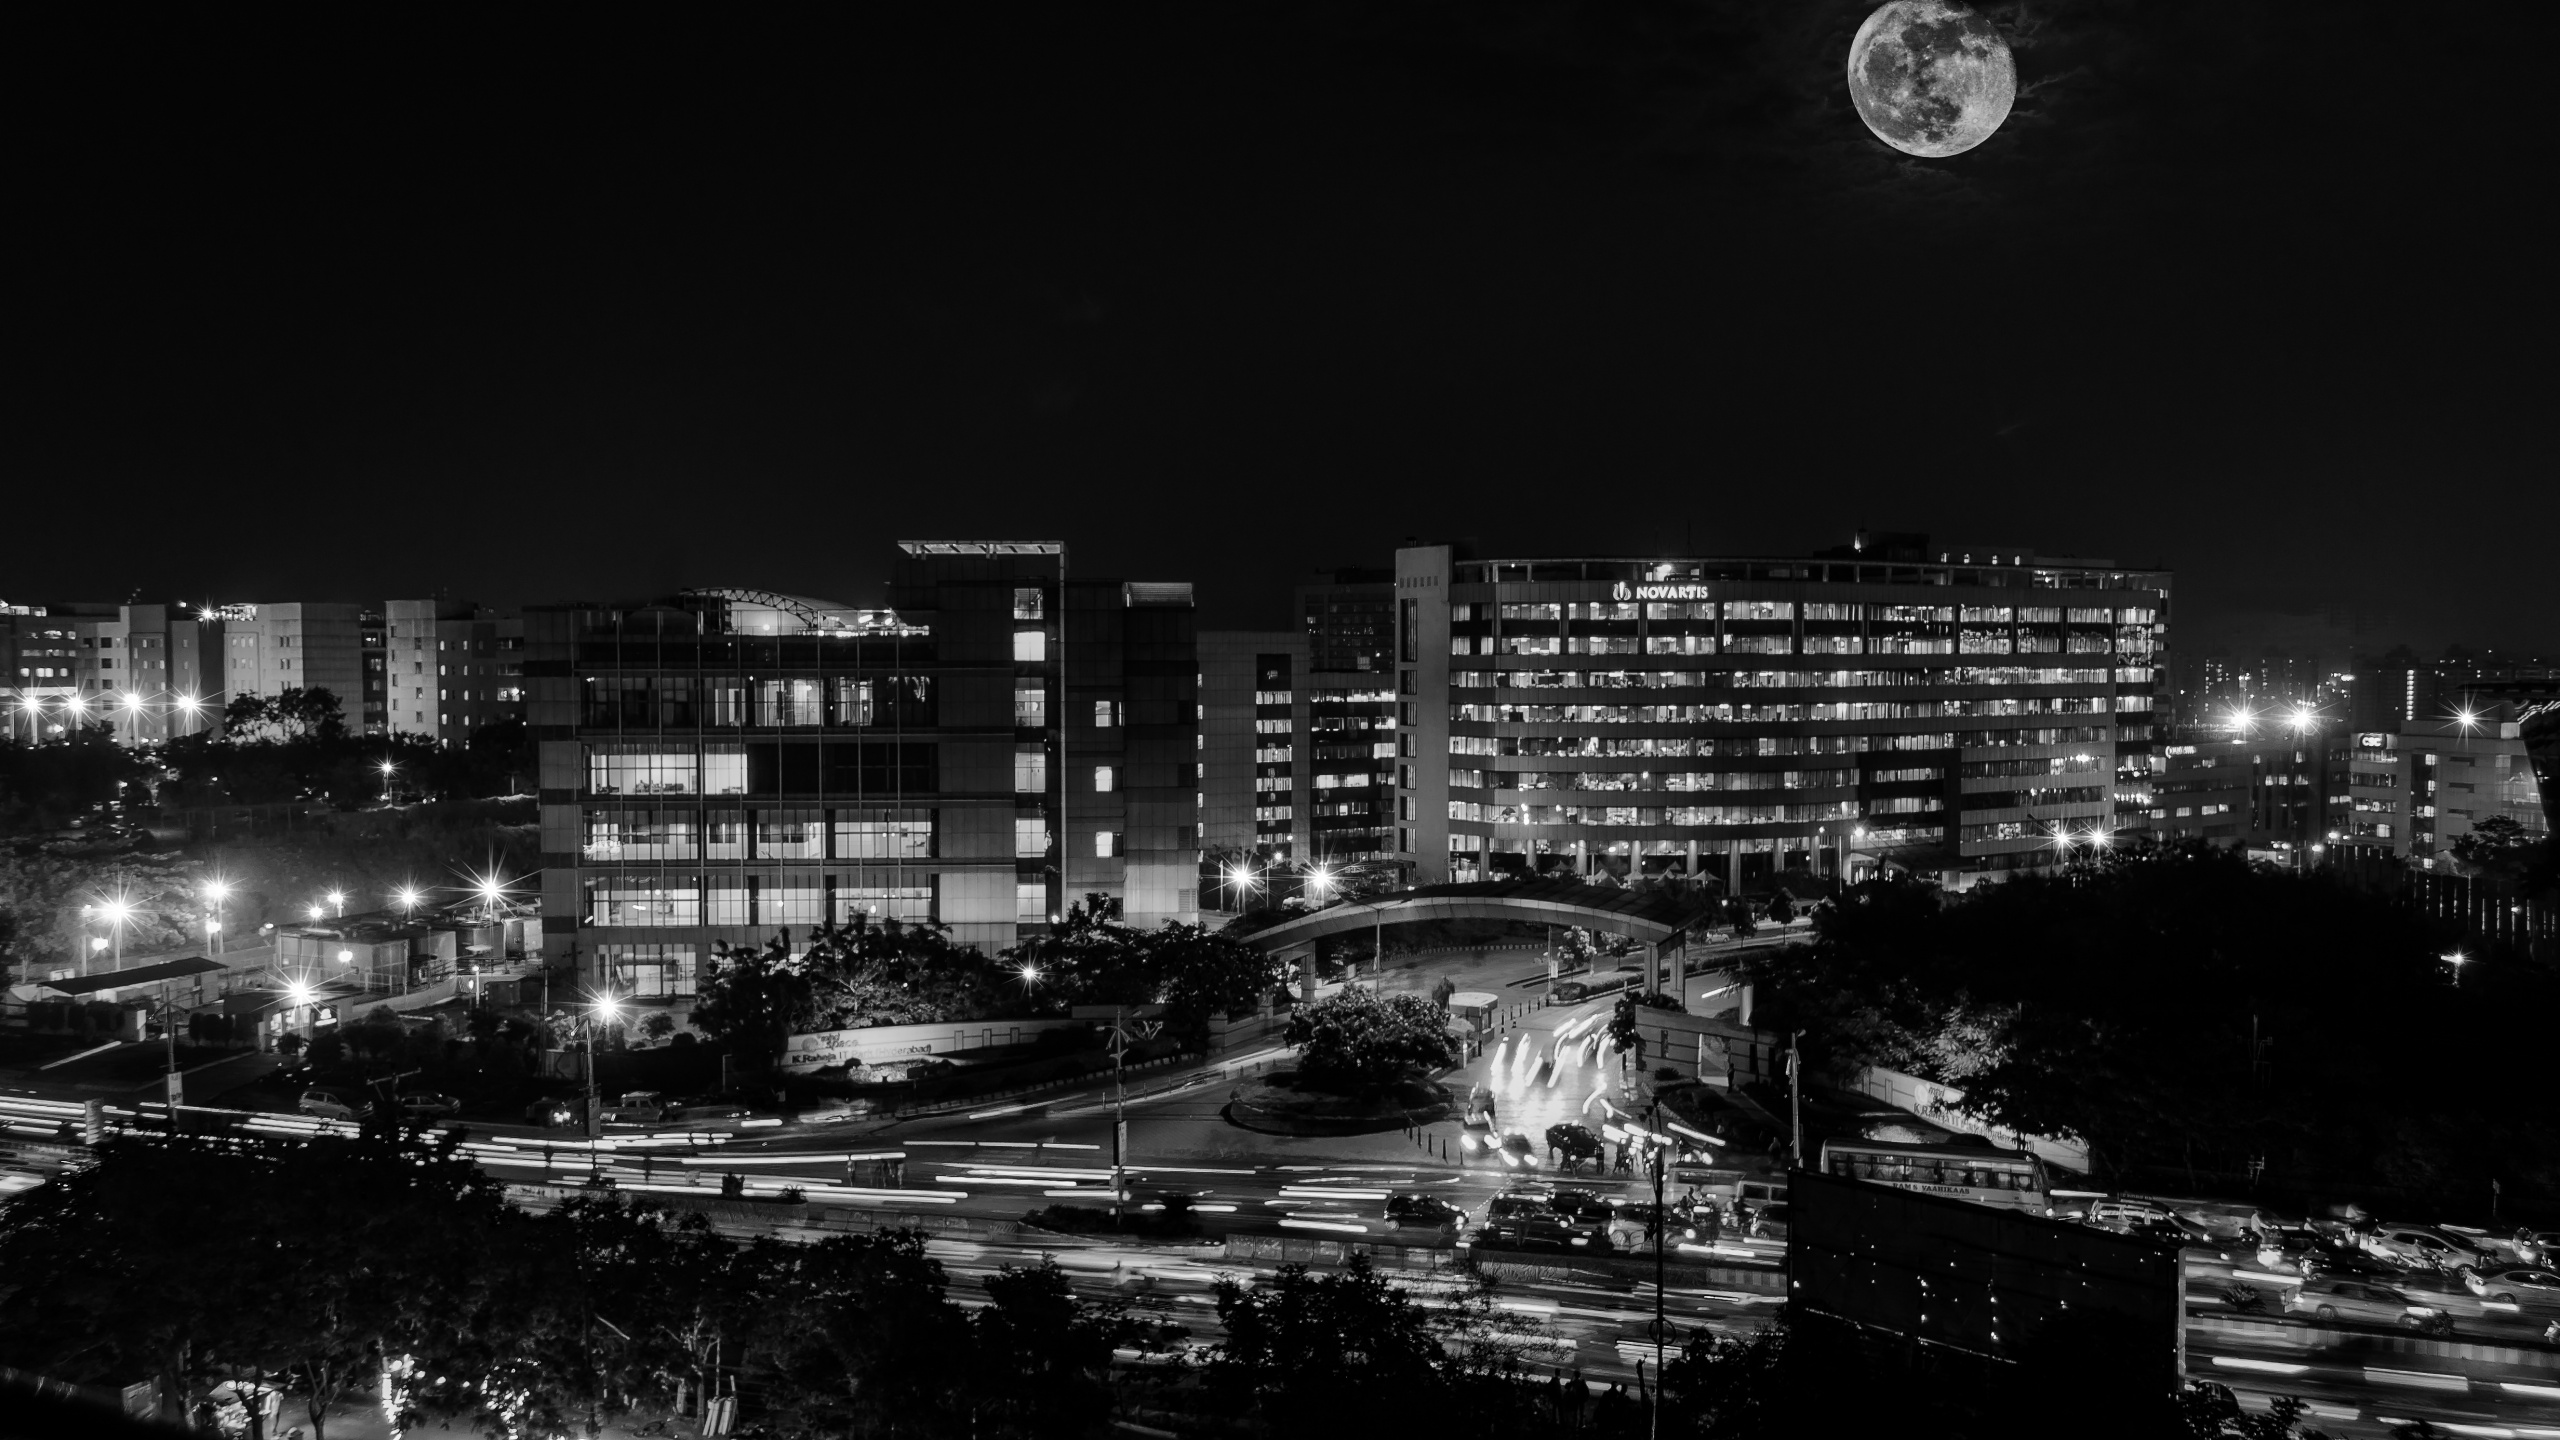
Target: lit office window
[
  {"x": 1030, "y": 646},
  {"x": 1030, "y": 837},
  {"x": 1103, "y": 780}
]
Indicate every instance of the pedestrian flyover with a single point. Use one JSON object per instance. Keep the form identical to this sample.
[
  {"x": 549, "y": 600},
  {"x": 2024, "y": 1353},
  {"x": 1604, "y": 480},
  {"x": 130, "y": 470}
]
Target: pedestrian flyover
[{"x": 1660, "y": 922}]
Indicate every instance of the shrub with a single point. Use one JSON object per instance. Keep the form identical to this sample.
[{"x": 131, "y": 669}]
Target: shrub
[{"x": 1358, "y": 1040}]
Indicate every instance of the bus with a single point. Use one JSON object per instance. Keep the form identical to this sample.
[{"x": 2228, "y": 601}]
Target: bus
[{"x": 1983, "y": 1174}]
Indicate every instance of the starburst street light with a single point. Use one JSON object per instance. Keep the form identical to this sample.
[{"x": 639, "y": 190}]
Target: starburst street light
[
  {"x": 318, "y": 912},
  {"x": 1320, "y": 879},
  {"x": 338, "y": 902},
  {"x": 1240, "y": 879},
  {"x": 408, "y": 898},
  {"x": 2456, "y": 959},
  {"x": 1030, "y": 975}
]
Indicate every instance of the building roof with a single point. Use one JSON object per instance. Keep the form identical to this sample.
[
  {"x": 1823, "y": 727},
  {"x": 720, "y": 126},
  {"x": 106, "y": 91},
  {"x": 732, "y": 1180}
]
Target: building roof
[{"x": 136, "y": 975}]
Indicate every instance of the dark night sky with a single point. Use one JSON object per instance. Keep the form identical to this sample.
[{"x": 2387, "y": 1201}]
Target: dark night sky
[{"x": 1222, "y": 291}]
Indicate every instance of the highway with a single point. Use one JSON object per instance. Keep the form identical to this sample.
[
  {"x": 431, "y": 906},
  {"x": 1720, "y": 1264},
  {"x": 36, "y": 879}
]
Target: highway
[{"x": 970, "y": 1175}]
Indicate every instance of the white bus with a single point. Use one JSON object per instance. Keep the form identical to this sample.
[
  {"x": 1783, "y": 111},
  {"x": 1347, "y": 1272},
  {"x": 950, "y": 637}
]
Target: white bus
[{"x": 1983, "y": 1174}]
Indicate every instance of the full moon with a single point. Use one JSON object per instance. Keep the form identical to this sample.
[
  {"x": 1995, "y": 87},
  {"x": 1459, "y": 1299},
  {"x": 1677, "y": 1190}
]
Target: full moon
[{"x": 1930, "y": 77}]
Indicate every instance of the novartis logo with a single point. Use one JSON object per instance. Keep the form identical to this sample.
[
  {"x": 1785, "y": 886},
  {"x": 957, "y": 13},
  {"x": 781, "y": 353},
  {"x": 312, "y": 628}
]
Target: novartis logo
[{"x": 1624, "y": 591}]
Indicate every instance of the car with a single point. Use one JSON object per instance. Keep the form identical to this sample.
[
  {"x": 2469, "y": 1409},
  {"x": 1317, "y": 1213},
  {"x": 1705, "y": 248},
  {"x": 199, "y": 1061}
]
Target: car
[
  {"x": 2424, "y": 1245},
  {"x": 2524, "y": 1286},
  {"x": 2357, "y": 1300},
  {"x": 1517, "y": 1205},
  {"x": 1631, "y": 1224},
  {"x": 1549, "y": 1232},
  {"x": 330, "y": 1103},
  {"x": 428, "y": 1103},
  {"x": 2440, "y": 1290},
  {"x": 1414, "y": 1208},
  {"x": 2122, "y": 1215},
  {"x": 1579, "y": 1205}
]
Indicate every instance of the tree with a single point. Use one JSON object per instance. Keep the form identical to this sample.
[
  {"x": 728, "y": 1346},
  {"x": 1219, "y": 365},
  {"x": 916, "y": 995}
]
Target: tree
[
  {"x": 1359, "y": 1040},
  {"x": 854, "y": 1329},
  {"x": 45, "y": 889},
  {"x": 2016, "y": 992},
  {"x": 1738, "y": 912},
  {"x": 1196, "y": 972},
  {"x": 1041, "y": 1358},
  {"x": 1304, "y": 1350},
  {"x": 1782, "y": 909},
  {"x": 336, "y": 1257}
]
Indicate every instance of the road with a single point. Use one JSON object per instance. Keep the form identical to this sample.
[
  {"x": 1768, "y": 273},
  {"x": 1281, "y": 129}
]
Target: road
[{"x": 1010, "y": 1159}]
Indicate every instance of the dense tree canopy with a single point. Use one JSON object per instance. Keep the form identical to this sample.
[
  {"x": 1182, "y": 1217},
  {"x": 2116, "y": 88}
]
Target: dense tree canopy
[
  {"x": 1360, "y": 1040},
  {"x": 2120, "y": 1003}
]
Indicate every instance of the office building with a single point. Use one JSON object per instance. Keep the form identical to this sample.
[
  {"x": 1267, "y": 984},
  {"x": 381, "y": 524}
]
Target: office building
[
  {"x": 2470, "y": 769},
  {"x": 450, "y": 667},
  {"x": 1248, "y": 748},
  {"x": 1952, "y": 711},
  {"x": 151, "y": 672},
  {"x": 996, "y": 743},
  {"x": 1298, "y": 728}
]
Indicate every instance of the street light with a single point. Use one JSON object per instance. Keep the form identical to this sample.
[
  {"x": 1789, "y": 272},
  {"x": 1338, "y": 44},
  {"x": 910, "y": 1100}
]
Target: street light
[
  {"x": 1320, "y": 879},
  {"x": 408, "y": 898},
  {"x": 605, "y": 1010},
  {"x": 115, "y": 912},
  {"x": 387, "y": 767},
  {"x": 338, "y": 903},
  {"x": 2456, "y": 959},
  {"x": 1240, "y": 879},
  {"x": 318, "y": 912},
  {"x": 215, "y": 892}
]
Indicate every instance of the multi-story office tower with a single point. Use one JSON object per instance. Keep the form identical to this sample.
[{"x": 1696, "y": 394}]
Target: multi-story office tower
[
  {"x": 1299, "y": 729},
  {"x": 453, "y": 667},
  {"x": 1248, "y": 742},
  {"x": 1953, "y": 711},
  {"x": 999, "y": 742}
]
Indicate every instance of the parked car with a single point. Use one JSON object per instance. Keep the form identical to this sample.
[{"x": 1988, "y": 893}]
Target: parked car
[
  {"x": 428, "y": 1103},
  {"x": 2357, "y": 1300},
  {"x": 330, "y": 1103},
  {"x": 2524, "y": 1286},
  {"x": 2424, "y": 1245},
  {"x": 1419, "y": 1209}
]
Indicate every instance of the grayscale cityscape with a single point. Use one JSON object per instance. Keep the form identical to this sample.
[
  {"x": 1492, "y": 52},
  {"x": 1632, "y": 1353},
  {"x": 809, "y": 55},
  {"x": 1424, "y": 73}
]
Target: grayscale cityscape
[{"x": 1703, "y": 719}]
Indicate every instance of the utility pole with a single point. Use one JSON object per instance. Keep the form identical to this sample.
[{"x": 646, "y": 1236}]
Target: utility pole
[
  {"x": 1661, "y": 1264},
  {"x": 1795, "y": 1092}
]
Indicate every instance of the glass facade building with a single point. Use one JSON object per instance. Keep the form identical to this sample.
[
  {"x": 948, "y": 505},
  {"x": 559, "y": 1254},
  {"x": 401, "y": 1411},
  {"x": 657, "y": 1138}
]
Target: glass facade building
[
  {"x": 729, "y": 765},
  {"x": 1950, "y": 712}
]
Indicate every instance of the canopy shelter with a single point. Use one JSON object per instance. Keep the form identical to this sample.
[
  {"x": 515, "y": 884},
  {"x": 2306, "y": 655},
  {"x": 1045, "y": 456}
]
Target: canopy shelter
[{"x": 138, "y": 975}]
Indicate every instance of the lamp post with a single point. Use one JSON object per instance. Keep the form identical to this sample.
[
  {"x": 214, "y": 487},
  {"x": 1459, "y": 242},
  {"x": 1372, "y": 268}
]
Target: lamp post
[
  {"x": 215, "y": 892},
  {"x": 387, "y": 767},
  {"x": 606, "y": 1008},
  {"x": 115, "y": 912},
  {"x": 338, "y": 904}
]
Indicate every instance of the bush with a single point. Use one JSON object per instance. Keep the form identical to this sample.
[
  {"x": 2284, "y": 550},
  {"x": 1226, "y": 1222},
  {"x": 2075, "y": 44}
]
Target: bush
[{"x": 1358, "y": 1040}]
